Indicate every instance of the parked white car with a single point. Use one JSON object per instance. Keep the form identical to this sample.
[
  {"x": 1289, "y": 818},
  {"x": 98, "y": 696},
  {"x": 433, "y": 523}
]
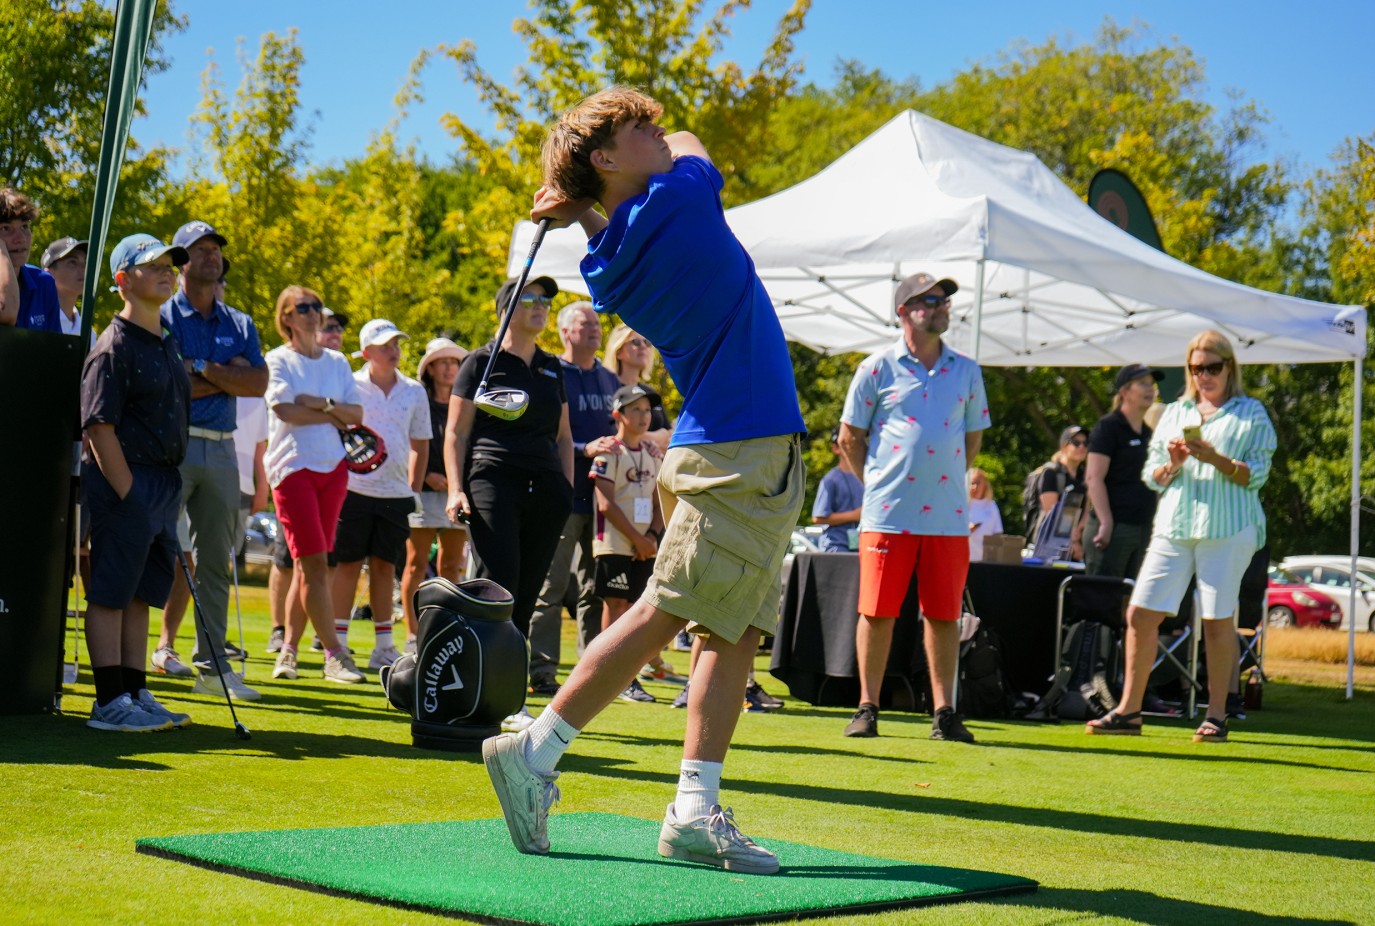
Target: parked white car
[{"x": 1332, "y": 574}]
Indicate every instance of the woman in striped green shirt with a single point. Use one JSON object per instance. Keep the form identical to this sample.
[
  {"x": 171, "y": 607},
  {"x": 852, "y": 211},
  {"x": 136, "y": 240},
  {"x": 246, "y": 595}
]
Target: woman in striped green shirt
[{"x": 1208, "y": 459}]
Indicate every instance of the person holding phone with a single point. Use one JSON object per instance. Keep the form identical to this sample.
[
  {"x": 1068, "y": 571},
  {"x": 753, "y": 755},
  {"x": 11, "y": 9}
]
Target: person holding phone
[{"x": 1209, "y": 522}]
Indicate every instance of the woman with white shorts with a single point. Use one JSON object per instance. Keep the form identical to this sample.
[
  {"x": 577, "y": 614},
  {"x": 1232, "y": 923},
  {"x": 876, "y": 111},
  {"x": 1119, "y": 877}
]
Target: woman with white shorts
[{"x": 1208, "y": 459}]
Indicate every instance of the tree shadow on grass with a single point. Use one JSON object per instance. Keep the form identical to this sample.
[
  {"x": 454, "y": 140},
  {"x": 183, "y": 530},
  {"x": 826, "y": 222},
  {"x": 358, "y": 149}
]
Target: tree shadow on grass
[
  {"x": 65, "y": 740},
  {"x": 1068, "y": 820},
  {"x": 1155, "y": 910},
  {"x": 1198, "y": 755}
]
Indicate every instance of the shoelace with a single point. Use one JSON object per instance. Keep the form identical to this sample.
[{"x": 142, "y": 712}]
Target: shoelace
[
  {"x": 723, "y": 822},
  {"x": 551, "y": 795}
]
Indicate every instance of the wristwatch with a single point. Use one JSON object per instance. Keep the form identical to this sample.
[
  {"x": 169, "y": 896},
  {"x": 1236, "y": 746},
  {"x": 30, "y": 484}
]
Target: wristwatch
[
  {"x": 329, "y": 406},
  {"x": 198, "y": 367}
]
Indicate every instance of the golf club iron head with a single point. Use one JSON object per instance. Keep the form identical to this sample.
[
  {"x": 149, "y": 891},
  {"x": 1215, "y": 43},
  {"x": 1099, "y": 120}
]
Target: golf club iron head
[{"x": 506, "y": 404}]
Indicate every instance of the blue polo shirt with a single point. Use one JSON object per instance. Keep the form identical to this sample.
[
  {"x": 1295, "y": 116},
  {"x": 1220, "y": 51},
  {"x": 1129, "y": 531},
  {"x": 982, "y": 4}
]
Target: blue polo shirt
[
  {"x": 226, "y": 334},
  {"x": 839, "y": 491},
  {"x": 914, "y": 470},
  {"x": 39, "y": 309},
  {"x": 668, "y": 264},
  {"x": 589, "y": 417}
]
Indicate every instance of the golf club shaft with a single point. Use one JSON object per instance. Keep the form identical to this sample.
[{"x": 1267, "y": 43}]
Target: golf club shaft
[
  {"x": 511, "y": 306},
  {"x": 238, "y": 612},
  {"x": 215, "y": 646}
]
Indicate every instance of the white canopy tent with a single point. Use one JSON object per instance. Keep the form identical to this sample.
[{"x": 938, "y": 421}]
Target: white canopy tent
[{"x": 1044, "y": 280}]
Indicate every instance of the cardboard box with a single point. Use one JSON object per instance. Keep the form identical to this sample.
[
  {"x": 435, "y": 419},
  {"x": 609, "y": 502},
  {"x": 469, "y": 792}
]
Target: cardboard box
[{"x": 1003, "y": 548}]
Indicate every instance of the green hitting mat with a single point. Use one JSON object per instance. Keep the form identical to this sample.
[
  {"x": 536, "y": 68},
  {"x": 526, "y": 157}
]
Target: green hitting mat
[{"x": 604, "y": 870}]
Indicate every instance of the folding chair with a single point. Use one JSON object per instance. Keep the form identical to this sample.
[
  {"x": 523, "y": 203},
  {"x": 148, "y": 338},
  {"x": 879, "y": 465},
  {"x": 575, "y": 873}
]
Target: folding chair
[
  {"x": 1190, "y": 632},
  {"x": 1095, "y": 598}
]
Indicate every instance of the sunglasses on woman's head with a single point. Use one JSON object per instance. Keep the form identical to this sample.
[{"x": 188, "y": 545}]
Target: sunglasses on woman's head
[
  {"x": 303, "y": 308},
  {"x": 1212, "y": 369}
]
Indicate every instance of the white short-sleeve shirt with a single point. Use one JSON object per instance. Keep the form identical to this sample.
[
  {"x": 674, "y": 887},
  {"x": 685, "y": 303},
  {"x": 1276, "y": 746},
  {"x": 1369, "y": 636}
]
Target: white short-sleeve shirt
[
  {"x": 292, "y": 447},
  {"x": 398, "y": 417}
]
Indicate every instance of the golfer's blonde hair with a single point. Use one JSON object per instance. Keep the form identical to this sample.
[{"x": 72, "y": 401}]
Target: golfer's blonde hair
[
  {"x": 567, "y": 154},
  {"x": 619, "y": 335},
  {"x": 1214, "y": 342},
  {"x": 286, "y": 305}
]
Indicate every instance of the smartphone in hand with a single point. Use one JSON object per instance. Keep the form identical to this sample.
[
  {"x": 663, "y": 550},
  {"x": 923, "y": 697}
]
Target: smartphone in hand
[{"x": 1192, "y": 432}]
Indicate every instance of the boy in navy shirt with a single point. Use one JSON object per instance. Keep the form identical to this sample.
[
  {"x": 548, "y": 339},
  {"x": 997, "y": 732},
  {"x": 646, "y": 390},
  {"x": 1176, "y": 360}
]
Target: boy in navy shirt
[
  {"x": 839, "y": 500},
  {"x": 663, "y": 259},
  {"x": 135, "y": 401}
]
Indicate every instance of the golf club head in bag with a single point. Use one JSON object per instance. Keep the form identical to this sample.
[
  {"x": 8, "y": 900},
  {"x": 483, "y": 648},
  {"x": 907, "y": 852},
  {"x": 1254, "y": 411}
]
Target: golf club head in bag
[
  {"x": 364, "y": 449},
  {"x": 470, "y": 667},
  {"x": 509, "y": 404}
]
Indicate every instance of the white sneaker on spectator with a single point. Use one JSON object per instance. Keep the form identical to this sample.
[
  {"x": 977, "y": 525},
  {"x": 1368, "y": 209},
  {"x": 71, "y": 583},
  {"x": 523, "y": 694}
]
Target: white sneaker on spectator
[
  {"x": 341, "y": 669},
  {"x": 207, "y": 683},
  {"x": 69, "y": 673},
  {"x": 152, "y": 705},
  {"x": 410, "y": 645},
  {"x": 167, "y": 661},
  {"x": 714, "y": 840},
  {"x": 124, "y": 715},
  {"x": 518, "y": 722},
  {"x": 286, "y": 665},
  {"x": 383, "y": 656}
]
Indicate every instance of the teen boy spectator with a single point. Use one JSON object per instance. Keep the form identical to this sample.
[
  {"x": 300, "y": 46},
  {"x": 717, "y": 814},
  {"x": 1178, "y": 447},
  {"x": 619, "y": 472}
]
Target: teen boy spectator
[
  {"x": 732, "y": 480},
  {"x": 839, "y": 500},
  {"x": 28, "y": 296},
  {"x": 65, "y": 261},
  {"x": 134, "y": 400},
  {"x": 374, "y": 523},
  {"x": 629, "y": 522},
  {"x": 589, "y": 387},
  {"x": 224, "y": 360}
]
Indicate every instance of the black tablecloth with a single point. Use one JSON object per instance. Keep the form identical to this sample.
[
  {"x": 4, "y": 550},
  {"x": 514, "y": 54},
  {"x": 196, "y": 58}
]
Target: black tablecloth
[{"x": 814, "y": 648}]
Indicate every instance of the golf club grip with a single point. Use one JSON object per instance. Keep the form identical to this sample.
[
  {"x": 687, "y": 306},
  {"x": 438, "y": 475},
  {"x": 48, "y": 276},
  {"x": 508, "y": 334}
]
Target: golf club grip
[{"x": 540, "y": 229}]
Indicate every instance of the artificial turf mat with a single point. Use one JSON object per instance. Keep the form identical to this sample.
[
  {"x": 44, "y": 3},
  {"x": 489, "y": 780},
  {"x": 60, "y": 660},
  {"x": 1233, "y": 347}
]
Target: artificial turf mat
[{"x": 604, "y": 870}]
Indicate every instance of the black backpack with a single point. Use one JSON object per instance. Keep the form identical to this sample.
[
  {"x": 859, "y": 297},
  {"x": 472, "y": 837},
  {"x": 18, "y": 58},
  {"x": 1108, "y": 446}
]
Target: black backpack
[
  {"x": 984, "y": 688},
  {"x": 1031, "y": 499},
  {"x": 1089, "y": 671}
]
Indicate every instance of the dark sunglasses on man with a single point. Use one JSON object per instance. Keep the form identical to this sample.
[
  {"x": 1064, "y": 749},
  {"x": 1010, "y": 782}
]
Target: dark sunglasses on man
[{"x": 928, "y": 301}]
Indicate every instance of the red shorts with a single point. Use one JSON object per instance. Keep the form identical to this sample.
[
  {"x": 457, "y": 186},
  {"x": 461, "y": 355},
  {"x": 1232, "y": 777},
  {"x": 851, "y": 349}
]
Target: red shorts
[
  {"x": 308, "y": 505},
  {"x": 886, "y": 564}
]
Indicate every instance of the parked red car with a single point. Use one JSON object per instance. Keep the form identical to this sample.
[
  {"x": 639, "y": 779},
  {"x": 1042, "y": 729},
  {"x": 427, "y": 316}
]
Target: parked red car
[{"x": 1292, "y": 603}]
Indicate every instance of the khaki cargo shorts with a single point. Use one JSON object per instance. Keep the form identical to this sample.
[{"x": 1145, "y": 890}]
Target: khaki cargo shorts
[{"x": 729, "y": 509}]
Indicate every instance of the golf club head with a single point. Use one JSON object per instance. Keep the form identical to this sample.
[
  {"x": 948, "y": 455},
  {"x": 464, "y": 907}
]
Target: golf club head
[
  {"x": 242, "y": 732},
  {"x": 506, "y": 404}
]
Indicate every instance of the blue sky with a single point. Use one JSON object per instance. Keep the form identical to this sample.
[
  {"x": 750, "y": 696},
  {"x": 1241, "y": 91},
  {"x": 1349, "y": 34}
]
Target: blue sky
[{"x": 1308, "y": 65}]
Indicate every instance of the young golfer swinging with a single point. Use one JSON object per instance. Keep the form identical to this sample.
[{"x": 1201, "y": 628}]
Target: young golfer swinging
[{"x": 664, "y": 260}]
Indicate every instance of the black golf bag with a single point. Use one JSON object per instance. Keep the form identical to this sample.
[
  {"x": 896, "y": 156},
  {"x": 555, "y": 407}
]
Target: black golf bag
[{"x": 469, "y": 668}]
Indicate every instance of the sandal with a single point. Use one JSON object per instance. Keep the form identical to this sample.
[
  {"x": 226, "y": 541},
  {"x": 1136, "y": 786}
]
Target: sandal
[
  {"x": 1116, "y": 724},
  {"x": 1211, "y": 731}
]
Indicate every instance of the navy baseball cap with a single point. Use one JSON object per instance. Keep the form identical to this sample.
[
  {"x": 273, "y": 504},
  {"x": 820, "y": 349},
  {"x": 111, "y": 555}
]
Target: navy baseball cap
[
  {"x": 194, "y": 231},
  {"x": 144, "y": 249}
]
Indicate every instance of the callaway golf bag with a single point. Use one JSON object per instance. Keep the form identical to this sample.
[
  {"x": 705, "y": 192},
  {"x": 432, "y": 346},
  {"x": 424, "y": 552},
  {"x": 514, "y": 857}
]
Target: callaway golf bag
[{"x": 469, "y": 668}]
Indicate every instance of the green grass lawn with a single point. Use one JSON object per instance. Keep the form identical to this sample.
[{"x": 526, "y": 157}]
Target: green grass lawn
[{"x": 1274, "y": 827}]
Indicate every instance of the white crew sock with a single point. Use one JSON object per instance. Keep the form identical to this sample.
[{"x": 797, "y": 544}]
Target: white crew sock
[
  {"x": 546, "y": 741},
  {"x": 699, "y": 787},
  {"x": 341, "y": 630},
  {"x": 383, "y": 631}
]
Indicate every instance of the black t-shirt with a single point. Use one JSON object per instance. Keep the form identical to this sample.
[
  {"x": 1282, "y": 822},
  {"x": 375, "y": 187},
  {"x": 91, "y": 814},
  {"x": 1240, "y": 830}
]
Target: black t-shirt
[
  {"x": 1057, "y": 477},
  {"x": 439, "y": 421},
  {"x": 135, "y": 380},
  {"x": 531, "y": 441},
  {"x": 658, "y": 418},
  {"x": 1128, "y": 497}
]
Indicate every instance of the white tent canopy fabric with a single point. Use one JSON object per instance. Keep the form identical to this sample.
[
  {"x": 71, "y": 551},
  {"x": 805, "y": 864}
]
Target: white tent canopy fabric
[
  {"x": 1044, "y": 280},
  {"x": 1061, "y": 286}
]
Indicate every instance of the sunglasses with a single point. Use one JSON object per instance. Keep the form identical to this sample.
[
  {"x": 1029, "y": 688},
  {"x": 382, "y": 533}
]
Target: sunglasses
[
  {"x": 302, "y": 308},
  {"x": 928, "y": 302},
  {"x": 531, "y": 299},
  {"x": 1078, "y": 443},
  {"x": 333, "y": 329},
  {"x": 1212, "y": 369},
  {"x": 638, "y": 342}
]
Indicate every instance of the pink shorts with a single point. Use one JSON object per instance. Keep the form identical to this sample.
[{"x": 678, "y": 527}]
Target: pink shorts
[
  {"x": 308, "y": 505},
  {"x": 886, "y": 564}
]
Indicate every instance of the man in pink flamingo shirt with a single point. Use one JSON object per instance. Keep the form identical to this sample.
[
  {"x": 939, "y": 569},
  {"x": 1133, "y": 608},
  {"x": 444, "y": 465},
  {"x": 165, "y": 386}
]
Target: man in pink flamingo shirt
[{"x": 913, "y": 422}]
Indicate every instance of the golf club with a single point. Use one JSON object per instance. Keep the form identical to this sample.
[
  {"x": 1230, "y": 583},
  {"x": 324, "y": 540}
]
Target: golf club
[
  {"x": 215, "y": 649},
  {"x": 508, "y": 404},
  {"x": 238, "y": 612}
]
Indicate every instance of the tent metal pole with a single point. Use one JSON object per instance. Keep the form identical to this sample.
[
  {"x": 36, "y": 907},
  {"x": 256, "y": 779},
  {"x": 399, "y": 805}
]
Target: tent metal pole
[
  {"x": 978, "y": 308},
  {"x": 1357, "y": 395}
]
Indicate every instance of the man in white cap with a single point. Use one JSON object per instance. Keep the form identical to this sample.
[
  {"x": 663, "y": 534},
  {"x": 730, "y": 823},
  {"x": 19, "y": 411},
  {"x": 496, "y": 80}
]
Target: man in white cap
[{"x": 374, "y": 523}]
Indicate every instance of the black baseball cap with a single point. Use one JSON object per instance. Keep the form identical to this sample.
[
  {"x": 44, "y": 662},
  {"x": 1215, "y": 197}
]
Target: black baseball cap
[
  {"x": 1135, "y": 371},
  {"x": 1068, "y": 434},
  {"x": 60, "y": 249},
  {"x": 551, "y": 289}
]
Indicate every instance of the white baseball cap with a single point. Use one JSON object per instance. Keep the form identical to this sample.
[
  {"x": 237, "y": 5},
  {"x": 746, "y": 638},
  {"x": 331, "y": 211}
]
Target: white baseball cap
[{"x": 377, "y": 331}]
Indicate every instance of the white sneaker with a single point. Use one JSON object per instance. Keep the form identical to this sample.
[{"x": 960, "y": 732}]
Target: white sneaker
[
  {"x": 286, "y": 665},
  {"x": 341, "y": 669},
  {"x": 518, "y": 722},
  {"x": 69, "y": 673},
  {"x": 152, "y": 706},
  {"x": 525, "y": 795},
  {"x": 216, "y": 685},
  {"x": 167, "y": 661},
  {"x": 714, "y": 840},
  {"x": 383, "y": 656},
  {"x": 410, "y": 644},
  {"x": 123, "y": 715}
]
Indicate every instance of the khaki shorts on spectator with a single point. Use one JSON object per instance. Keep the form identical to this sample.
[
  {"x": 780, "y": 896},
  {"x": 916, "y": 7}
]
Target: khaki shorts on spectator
[{"x": 730, "y": 509}]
